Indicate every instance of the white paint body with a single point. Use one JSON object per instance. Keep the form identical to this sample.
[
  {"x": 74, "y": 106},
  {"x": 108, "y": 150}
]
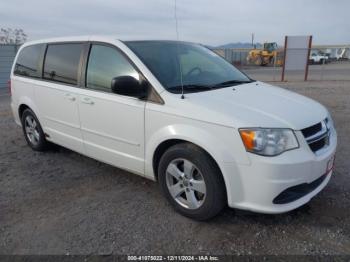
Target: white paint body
[{"x": 125, "y": 132}]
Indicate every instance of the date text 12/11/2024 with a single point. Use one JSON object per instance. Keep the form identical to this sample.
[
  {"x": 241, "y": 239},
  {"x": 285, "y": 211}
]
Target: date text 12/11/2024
[{"x": 173, "y": 258}]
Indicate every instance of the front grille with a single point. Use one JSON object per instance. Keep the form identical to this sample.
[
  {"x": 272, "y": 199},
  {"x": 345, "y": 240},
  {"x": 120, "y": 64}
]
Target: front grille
[
  {"x": 319, "y": 144},
  {"x": 309, "y": 131},
  {"x": 317, "y": 136}
]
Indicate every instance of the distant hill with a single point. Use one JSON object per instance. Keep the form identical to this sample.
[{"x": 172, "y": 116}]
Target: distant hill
[{"x": 239, "y": 45}]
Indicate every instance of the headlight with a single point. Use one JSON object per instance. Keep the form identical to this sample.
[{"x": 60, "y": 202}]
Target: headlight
[{"x": 268, "y": 141}]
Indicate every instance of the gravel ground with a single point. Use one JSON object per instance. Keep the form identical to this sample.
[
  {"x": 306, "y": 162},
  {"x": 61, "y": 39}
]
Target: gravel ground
[{"x": 60, "y": 202}]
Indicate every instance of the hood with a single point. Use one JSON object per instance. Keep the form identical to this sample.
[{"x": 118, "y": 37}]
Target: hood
[{"x": 257, "y": 105}]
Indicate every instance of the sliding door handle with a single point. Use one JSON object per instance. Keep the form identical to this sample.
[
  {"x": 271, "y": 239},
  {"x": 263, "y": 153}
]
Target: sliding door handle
[{"x": 87, "y": 100}]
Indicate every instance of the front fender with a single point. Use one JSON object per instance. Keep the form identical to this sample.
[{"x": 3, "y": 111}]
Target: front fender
[
  {"x": 202, "y": 138},
  {"x": 219, "y": 142}
]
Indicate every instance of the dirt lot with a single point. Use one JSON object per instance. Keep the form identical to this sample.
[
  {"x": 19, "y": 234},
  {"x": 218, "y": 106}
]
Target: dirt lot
[{"x": 60, "y": 202}]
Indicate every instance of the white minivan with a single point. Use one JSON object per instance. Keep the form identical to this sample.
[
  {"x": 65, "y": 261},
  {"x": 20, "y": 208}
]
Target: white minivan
[{"x": 177, "y": 113}]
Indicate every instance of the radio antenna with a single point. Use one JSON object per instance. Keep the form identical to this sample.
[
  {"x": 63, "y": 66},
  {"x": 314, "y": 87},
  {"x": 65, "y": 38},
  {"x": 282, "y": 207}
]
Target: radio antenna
[{"x": 177, "y": 48}]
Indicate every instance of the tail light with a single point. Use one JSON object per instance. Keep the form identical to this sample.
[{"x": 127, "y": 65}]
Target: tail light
[{"x": 9, "y": 86}]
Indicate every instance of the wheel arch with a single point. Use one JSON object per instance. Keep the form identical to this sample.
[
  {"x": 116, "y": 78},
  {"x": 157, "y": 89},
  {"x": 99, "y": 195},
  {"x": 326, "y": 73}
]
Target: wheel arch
[
  {"x": 156, "y": 149},
  {"x": 21, "y": 109},
  {"x": 26, "y": 103},
  {"x": 166, "y": 144}
]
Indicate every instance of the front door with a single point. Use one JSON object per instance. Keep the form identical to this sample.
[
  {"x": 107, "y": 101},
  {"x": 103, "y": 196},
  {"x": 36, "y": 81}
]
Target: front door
[{"x": 112, "y": 125}]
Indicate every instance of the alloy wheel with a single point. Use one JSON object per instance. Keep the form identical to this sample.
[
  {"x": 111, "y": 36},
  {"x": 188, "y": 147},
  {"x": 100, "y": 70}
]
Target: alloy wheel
[
  {"x": 185, "y": 183},
  {"x": 32, "y": 130}
]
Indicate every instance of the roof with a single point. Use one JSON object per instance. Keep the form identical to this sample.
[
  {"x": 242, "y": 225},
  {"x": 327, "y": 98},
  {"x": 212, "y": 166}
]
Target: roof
[
  {"x": 102, "y": 38},
  {"x": 74, "y": 39}
]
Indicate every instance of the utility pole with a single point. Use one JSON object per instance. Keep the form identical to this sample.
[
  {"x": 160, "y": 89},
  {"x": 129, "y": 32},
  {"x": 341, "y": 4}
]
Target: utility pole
[{"x": 252, "y": 39}]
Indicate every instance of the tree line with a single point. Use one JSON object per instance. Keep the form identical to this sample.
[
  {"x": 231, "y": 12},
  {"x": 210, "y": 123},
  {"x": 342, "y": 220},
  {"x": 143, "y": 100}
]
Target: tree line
[{"x": 12, "y": 36}]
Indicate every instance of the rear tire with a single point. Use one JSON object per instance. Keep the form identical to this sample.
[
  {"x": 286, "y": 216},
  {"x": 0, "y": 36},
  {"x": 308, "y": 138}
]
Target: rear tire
[
  {"x": 192, "y": 181},
  {"x": 33, "y": 131}
]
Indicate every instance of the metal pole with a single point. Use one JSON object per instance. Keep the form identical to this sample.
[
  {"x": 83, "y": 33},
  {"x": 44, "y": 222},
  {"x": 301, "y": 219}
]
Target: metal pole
[
  {"x": 284, "y": 58},
  {"x": 307, "y": 59},
  {"x": 274, "y": 67}
]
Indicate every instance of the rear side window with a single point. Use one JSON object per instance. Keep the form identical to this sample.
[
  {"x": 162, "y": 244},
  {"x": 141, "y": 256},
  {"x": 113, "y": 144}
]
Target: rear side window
[
  {"x": 62, "y": 62},
  {"x": 105, "y": 63},
  {"x": 27, "y": 63}
]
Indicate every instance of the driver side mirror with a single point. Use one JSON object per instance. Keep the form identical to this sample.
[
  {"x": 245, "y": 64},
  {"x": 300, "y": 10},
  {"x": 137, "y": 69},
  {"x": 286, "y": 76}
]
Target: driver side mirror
[{"x": 129, "y": 86}]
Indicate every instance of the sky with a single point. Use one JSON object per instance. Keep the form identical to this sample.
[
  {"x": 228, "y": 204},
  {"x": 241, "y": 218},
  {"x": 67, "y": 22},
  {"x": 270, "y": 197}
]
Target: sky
[{"x": 211, "y": 22}]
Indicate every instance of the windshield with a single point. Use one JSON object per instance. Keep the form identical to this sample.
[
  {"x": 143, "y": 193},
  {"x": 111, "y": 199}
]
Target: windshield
[{"x": 178, "y": 63}]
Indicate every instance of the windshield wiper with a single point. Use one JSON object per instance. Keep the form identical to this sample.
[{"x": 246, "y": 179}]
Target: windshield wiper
[
  {"x": 198, "y": 87},
  {"x": 192, "y": 87},
  {"x": 231, "y": 83}
]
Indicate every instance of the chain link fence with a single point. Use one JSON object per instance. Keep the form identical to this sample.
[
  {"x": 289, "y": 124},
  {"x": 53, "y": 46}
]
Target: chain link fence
[{"x": 324, "y": 63}]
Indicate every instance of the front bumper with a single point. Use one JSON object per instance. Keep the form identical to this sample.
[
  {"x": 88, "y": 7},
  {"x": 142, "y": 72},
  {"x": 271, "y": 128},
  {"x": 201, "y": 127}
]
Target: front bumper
[{"x": 266, "y": 178}]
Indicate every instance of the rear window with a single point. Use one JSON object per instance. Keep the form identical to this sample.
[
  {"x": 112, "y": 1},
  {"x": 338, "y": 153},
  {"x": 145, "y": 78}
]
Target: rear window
[
  {"x": 27, "y": 63},
  {"x": 62, "y": 62}
]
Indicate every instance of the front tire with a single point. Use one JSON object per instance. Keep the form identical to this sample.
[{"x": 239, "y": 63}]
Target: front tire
[
  {"x": 192, "y": 182},
  {"x": 33, "y": 131}
]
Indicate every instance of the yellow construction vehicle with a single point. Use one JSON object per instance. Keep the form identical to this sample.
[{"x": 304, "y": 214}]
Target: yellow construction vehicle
[{"x": 265, "y": 56}]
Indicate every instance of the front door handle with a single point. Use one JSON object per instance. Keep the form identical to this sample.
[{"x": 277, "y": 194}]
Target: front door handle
[{"x": 87, "y": 100}]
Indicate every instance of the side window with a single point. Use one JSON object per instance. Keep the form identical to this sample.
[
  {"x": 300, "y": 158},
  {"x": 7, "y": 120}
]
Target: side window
[
  {"x": 62, "y": 62},
  {"x": 104, "y": 64},
  {"x": 28, "y": 61}
]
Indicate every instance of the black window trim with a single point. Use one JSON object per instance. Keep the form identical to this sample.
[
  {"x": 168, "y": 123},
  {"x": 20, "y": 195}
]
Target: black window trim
[
  {"x": 79, "y": 65},
  {"x": 153, "y": 95}
]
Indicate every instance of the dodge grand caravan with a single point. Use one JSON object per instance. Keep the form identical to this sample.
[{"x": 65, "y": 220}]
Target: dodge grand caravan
[{"x": 177, "y": 113}]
